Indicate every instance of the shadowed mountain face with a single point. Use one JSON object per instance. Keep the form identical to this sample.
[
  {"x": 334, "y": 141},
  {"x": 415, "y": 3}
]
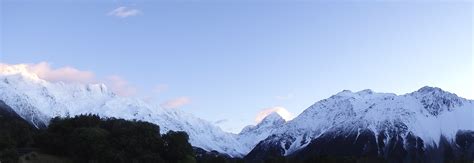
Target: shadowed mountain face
[
  {"x": 364, "y": 143},
  {"x": 14, "y": 130},
  {"x": 391, "y": 147},
  {"x": 6, "y": 112}
]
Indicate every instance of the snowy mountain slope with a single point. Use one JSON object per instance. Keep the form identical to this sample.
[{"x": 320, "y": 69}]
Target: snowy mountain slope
[
  {"x": 251, "y": 134},
  {"x": 37, "y": 101},
  {"x": 430, "y": 114},
  {"x": 429, "y": 118}
]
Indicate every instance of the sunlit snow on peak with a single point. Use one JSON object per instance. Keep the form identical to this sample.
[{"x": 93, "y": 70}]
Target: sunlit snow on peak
[
  {"x": 285, "y": 114},
  {"x": 21, "y": 69},
  {"x": 43, "y": 71}
]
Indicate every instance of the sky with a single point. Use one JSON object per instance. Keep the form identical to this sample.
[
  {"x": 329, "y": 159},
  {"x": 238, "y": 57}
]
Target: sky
[{"x": 233, "y": 61}]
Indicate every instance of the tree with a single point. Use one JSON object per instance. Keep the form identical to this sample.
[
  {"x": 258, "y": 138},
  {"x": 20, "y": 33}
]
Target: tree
[
  {"x": 89, "y": 144},
  {"x": 176, "y": 145}
]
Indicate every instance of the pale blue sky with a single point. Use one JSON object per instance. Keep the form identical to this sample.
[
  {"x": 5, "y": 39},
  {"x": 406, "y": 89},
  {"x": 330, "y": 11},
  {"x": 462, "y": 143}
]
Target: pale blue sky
[{"x": 232, "y": 58}]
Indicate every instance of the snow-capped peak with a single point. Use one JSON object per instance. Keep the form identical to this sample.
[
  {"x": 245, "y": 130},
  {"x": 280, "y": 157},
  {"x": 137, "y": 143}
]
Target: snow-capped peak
[
  {"x": 436, "y": 100},
  {"x": 428, "y": 89},
  {"x": 251, "y": 135},
  {"x": 272, "y": 119},
  {"x": 37, "y": 101},
  {"x": 21, "y": 70},
  {"x": 427, "y": 113}
]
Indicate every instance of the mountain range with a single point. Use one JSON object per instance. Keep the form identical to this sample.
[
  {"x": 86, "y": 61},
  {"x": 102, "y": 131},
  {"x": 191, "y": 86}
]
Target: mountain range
[{"x": 427, "y": 124}]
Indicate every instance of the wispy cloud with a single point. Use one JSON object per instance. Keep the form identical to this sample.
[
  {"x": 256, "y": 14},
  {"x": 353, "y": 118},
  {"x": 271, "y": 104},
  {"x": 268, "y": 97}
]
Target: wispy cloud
[
  {"x": 124, "y": 12},
  {"x": 175, "y": 103},
  {"x": 285, "y": 114}
]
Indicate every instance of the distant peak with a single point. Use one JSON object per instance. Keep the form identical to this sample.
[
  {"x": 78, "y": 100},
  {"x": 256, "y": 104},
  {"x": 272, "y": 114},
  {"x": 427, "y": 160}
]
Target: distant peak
[
  {"x": 365, "y": 92},
  {"x": 432, "y": 91},
  {"x": 348, "y": 93},
  {"x": 272, "y": 117},
  {"x": 272, "y": 120},
  {"x": 435, "y": 100},
  {"x": 428, "y": 89}
]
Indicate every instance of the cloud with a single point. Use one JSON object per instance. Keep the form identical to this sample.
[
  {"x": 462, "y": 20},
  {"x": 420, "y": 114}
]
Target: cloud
[
  {"x": 124, "y": 12},
  {"x": 286, "y": 97},
  {"x": 44, "y": 71},
  {"x": 67, "y": 74},
  {"x": 120, "y": 86},
  {"x": 285, "y": 114},
  {"x": 176, "y": 103}
]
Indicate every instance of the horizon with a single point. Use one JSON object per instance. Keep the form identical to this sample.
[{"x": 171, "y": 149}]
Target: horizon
[{"x": 231, "y": 63}]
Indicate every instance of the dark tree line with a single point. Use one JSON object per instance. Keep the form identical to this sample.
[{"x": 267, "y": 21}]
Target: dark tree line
[{"x": 89, "y": 138}]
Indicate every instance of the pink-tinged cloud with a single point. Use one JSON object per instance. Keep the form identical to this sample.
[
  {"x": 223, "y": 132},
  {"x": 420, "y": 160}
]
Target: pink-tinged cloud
[
  {"x": 67, "y": 74},
  {"x": 43, "y": 70},
  {"x": 285, "y": 114},
  {"x": 64, "y": 74},
  {"x": 176, "y": 103},
  {"x": 120, "y": 86}
]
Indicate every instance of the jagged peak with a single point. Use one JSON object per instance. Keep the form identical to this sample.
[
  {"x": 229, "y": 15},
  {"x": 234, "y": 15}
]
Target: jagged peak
[
  {"x": 433, "y": 92},
  {"x": 271, "y": 122},
  {"x": 348, "y": 93},
  {"x": 428, "y": 89},
  {"x": 435, "y": 100}
]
